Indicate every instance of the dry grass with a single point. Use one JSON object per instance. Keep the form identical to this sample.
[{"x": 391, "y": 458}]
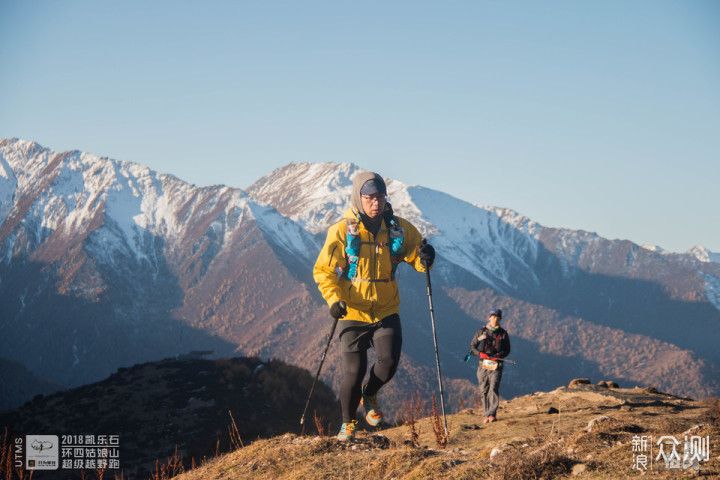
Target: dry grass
[
  {"x": 442, "y": 434},
  {"x": 713, "y": 414},
  {"x": 412, "y": 410},
  {"x": 548, "y": 461},
  {"x": 5, "y": 457},
  {"x": 235, "y": 438},
  {"x": 527, "y": 442},
  {"x": 293, "y": 458},
  {"x": 171, "y": 468},
  {"x": 319, "y": 423},
  {"x": 8, "y": 470}
]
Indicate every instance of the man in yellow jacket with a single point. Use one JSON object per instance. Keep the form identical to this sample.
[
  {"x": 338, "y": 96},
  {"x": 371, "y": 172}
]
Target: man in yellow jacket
[{"x": 355, "y": 273}]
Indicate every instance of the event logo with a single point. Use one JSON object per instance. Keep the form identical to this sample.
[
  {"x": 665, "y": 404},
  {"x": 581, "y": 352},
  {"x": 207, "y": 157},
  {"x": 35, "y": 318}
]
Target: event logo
[{"x": 43, "y": 453}]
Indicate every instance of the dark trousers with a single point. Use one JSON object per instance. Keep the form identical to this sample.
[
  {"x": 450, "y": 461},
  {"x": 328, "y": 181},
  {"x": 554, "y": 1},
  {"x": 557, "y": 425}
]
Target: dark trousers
[
  {"x": 489, "y": 381},
  {"x": 387, "y": 350}
]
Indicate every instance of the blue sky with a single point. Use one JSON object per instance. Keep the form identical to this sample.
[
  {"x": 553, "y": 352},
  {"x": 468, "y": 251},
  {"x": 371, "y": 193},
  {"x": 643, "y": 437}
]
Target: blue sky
[{"x": 601, "y": 116}]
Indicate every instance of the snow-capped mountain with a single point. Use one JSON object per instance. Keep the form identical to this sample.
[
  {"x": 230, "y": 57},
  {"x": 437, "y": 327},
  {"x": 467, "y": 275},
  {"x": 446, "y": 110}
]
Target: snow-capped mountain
[
  {"x": 105, "y": 264},
  {"x": 704, "y": 255},
  {"x": 611, "y": 287},
  {"x": 509, "y": 252}
]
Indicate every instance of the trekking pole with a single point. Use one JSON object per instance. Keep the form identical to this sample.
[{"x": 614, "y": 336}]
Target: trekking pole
[
  {"x": 437, "y": 356},
  {"x": 322, "y": 360},
  {"x": 506, "y": 360}
]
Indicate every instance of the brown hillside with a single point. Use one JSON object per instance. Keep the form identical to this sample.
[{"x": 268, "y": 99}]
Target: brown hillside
[
  {"x": 184, "y": 405},
  {"x": 526, "y": 442},
  {"x": 625, "y": 357}
]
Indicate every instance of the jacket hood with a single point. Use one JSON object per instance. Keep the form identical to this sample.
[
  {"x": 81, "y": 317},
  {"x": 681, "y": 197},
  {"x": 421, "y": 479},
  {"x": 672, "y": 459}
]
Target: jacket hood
[{"x": 358, "y": 182}]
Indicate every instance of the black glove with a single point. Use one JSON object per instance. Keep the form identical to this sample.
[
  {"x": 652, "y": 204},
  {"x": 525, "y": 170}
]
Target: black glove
[
  {"x": 426, "y": 253},
  {"x": 338, "y": 310}
]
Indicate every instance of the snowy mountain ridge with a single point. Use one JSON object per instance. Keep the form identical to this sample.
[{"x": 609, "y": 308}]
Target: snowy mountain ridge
[
  {"x": 703, "y": 254},
  {"x": 486, "y": 241},
  {"x": 91, "y": 245},
  {"x": 603, "y": 284},
  {"x": 131, "y": 200},
  {"x": 123, "y": 205},
  {"x": 106, "y": 263}
]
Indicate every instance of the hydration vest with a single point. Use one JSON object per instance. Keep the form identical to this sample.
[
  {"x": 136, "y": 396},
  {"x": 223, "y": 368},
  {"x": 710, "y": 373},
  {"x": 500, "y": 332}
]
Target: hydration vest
[{"x": 396, "y": 239}]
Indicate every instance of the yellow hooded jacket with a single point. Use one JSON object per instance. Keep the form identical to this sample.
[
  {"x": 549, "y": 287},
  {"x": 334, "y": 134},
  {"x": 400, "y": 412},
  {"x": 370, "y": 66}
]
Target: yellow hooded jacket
[{"x": 367, "y": 301}]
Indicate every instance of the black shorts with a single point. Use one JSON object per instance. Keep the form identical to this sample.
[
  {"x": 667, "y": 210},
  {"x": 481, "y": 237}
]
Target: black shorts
[{"x": 356, "y": 336}]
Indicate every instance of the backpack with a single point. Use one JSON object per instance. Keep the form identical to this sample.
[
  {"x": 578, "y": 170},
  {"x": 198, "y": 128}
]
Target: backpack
[{"x": 396, "y": 240}]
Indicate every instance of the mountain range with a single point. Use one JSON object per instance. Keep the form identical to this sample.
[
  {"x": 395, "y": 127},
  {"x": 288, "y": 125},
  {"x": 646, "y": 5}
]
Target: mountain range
[{"x": 105, "y": 264}]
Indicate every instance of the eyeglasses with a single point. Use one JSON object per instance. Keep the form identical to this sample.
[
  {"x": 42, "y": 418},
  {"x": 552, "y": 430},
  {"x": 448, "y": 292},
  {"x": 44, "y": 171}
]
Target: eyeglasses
[{"x": 373, "y": 198}]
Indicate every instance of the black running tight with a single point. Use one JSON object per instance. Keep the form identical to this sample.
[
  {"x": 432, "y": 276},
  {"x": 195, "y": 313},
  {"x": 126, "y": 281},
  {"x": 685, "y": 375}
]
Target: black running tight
[{"x": 387, "y": 349}]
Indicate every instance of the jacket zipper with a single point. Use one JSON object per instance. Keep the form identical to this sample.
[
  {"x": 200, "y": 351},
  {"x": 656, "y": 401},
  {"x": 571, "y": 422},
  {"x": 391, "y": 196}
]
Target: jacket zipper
[{"x": 331, "y": 255}]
